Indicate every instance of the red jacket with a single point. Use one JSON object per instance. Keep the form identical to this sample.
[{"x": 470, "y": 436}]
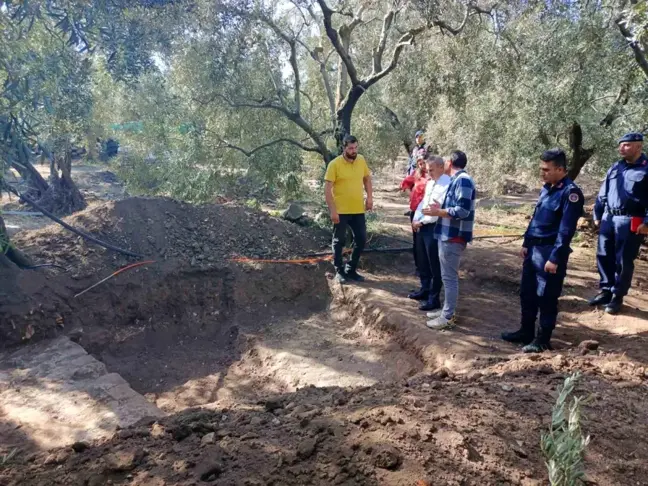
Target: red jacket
[{"x": 416, "y": 184}]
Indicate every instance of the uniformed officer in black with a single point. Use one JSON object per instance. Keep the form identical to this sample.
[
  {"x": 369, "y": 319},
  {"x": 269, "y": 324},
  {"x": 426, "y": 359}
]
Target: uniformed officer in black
[
  {"x": 545, "y": 251},
  {"x": 623, "y": 198}
]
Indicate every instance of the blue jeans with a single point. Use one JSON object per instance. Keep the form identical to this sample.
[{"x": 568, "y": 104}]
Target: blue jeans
[{"x": 450, "y": 257}]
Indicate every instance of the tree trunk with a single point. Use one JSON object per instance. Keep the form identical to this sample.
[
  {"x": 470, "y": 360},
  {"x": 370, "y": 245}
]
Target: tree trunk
[
  {"x": 36, "y": 184},
  {"x": 396, "y": 125},
  {"x": 9, "y": 254},
  {"x": 63, "y": 196},
  {"x": 344, "y": 115},
  {"x": 579, "y": 154}
]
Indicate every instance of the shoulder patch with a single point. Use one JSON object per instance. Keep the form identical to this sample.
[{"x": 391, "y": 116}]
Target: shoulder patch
[{"x": 573, "y": 197}]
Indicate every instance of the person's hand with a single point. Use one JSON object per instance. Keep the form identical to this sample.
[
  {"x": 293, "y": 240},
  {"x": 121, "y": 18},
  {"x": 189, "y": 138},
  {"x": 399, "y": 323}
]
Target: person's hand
[
  {"x": 551, "y": 267},
  {"x": 432, "y": 210},
  {"x": 416, "y": 225},
  {"x": 369, "y": 203},
  {"x": 642, "y": 229},
  {"x": 523, "y": 252},
  {"x": 597, "y": 224},
  {"x": 335, "y": 217}
]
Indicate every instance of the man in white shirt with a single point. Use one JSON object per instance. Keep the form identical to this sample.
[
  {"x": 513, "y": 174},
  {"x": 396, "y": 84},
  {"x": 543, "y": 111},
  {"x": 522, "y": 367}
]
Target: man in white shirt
[{"x": 427, "y": 245}]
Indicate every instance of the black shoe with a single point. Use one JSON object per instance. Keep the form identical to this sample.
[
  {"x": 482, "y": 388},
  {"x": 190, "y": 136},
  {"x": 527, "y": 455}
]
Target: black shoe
[
  {"x": 419, "y": 295},
  {"x": 518, "y": 337},
  {"x": 614, "y": 306},
  {"x": 340, "y": 278},
  {"x": 430, "y": 305},
  {"x": 355, "y": 276},
  {"x": 602, "y": 298},
  {"x": 536, "y": 346}
]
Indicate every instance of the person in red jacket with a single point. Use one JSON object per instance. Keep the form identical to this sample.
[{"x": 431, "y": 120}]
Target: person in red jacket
[{"x": 415, "y": 184}]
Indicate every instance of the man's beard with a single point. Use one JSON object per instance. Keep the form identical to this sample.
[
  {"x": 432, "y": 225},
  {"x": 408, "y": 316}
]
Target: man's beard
[{"x": 351, "y": 157}]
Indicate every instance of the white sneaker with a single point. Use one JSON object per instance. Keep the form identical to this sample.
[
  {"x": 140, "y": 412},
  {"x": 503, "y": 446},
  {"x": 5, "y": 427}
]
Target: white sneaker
[
  {"x": 441, "y": 323},
  {"x": 435, "y": 313}
]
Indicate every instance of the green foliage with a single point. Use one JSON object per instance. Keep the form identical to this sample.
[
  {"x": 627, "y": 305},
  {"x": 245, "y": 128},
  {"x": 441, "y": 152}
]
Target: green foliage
[
  {"x": 564, "y": 445},
  {"x": 5, "y": 459},
  {"x": 191, "y": 91}
]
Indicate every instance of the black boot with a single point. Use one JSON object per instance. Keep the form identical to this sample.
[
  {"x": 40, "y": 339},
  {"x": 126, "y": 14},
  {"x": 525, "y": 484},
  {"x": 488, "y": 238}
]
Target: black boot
[
  {"x": 352, "y": 274},
  {"x": 419, "y": 295},
  {"x": 602, "y": 298},
  {"x": 615, "y": 305},
  {"x": 540, "y": 343},
  {"x": 431, "y": 304},
  {"x": 521, "y": 336}
]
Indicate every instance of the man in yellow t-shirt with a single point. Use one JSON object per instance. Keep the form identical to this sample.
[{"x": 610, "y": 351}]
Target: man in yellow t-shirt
[{"x": 346, "y": 177}]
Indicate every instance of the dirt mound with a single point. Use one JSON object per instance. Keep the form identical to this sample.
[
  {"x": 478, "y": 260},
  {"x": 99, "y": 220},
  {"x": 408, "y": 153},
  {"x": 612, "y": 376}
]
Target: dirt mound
[
  {"x": 165, "y": 229},
  {"x": 478, "y": 430},
  {"x": 193, "y": 278}
]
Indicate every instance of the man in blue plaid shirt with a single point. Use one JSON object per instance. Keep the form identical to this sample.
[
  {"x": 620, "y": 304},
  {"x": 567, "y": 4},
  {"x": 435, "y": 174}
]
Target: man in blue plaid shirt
[{"x": 454, "y": 231}]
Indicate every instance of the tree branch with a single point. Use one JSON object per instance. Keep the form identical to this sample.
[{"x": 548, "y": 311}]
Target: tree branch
[
  {"x": 382, "y": 43},
  {"x": 250, "y": 153},
  {"x": 315, "y": 54},
  {"x": 621, "y": 100},
  {"x": 640, "y": 55},
  {"x": 405, "y": 40},
  {"x": 334, "y": 37}
]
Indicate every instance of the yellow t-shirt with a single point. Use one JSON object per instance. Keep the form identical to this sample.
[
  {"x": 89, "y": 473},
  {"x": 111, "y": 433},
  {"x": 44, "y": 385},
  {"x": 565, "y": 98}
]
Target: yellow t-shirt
[{"x": 348, "y": 186}]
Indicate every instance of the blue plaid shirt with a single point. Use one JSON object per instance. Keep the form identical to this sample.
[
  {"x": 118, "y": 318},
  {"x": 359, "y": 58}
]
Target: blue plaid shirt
[{"x": 460, "y": 204}]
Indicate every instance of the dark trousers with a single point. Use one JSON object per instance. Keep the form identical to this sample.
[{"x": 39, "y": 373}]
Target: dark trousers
[
  {"x": 414, "y": 242},
  {"x": 427, "y": 247},
  {"x": 617, "y": 249},
  {"x": 539, "y": 290},
  {"x": 358, "y": 226}
]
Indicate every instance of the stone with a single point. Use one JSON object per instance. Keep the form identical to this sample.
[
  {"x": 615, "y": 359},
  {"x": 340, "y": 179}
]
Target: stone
[
  {"x": 181, "y": 432},
  {"x": 387, "y": 457},
  {"x": 293, "y": 213},
  {"x": 307, "y": 448},
  {"x": 208, "y": 439},
  {"x": 123, "y": 460},
  {"x": 157, "y": 430},
  {"x": 80, "y": 446},
  {"x": 589, "y": 344},
  {"x": 57, "y": 457},
  {"x": 273, "y": 404},
  {"x": 209, "y": 470},
  {"x": 506, "y": 387}
]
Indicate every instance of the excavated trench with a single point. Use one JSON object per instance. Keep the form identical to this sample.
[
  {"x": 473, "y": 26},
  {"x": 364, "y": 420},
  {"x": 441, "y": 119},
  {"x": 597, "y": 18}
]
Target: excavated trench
[
  {"x": 238, "y": 333},
  {"x": 183, "y": 337}
]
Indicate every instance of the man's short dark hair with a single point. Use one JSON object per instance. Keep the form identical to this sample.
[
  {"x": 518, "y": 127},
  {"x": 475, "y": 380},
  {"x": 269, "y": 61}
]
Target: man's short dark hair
[
  {"x": 349, "y": 139},
  {"x": 458, "y": 159},
  {"x": 556, "y": 156}
]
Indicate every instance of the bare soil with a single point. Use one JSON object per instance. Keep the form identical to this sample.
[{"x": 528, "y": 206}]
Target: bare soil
[{"x": 301, "y": 381}]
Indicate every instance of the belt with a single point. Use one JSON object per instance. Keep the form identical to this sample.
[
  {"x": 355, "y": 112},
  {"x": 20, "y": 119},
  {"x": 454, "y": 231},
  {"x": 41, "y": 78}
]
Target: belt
[
  {"x": 549, "y": 240},
  {"x": 622, "y": 212}
]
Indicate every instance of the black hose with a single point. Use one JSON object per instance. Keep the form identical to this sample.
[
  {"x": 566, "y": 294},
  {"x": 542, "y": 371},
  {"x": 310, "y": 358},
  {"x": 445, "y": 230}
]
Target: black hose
[
  {"x": 42, "y": 265},
  {"x": 83, "y": 234}
]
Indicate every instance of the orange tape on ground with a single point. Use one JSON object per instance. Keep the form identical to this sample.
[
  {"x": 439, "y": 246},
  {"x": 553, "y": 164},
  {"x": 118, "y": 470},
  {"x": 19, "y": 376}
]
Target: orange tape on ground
[{"x": 296, "y": 262}]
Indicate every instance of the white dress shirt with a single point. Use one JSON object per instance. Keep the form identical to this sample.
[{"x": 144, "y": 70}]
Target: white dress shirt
[{"x": 435, "y": 192}]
